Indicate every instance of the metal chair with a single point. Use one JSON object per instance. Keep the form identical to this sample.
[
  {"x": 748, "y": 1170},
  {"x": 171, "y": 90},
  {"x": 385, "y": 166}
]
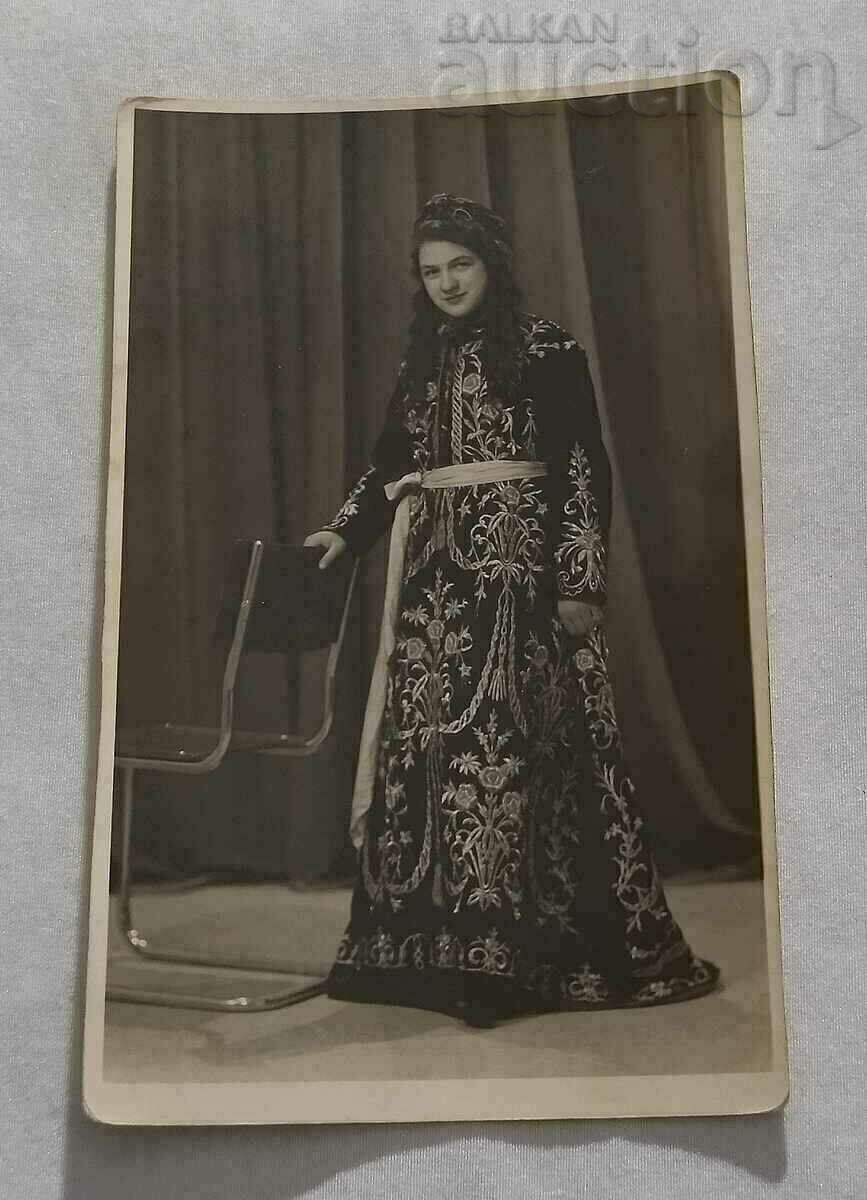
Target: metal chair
[{"x": 263, "y": 609}]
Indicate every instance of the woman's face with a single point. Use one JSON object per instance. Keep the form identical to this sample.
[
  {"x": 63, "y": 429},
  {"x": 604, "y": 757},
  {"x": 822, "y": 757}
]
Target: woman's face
[{"x": 454, "y": 277}]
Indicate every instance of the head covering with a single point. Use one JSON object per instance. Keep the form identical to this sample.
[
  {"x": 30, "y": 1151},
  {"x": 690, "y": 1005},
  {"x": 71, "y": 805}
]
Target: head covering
[{"x": 447, "y": 218}]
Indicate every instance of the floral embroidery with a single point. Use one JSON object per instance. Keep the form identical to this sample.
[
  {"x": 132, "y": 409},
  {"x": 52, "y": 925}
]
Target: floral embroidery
[
  {"x": 581, "y": 553},
  {"x": 419, "y": 423},
  {"x": 637, "y": 885},
  {"x": 591, "y": 661},
  {"x": 505, "y": 840},
  {"x": 587, "y": 986},
  {"x": 482, "y": 428},
  {"x": 507, "y": 539},
  {"x": 554, "y": 839},
  {"x": 697, "y": 978},
  {"x": 491, "y": 955},
  {"x": 350, "y": 506},
  {"x": 418, "y": 704},
  {"x": 485, "y": 824},
  {"x": 543, "y": 337}
]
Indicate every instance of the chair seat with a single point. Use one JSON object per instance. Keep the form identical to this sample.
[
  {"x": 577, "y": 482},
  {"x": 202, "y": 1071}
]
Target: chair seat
[{"x": 189, "y": 743}]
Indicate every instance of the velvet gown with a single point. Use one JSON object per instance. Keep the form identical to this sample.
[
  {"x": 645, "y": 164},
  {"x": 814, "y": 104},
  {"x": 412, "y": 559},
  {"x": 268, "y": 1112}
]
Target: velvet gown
[{"x": 505, "y": 861}]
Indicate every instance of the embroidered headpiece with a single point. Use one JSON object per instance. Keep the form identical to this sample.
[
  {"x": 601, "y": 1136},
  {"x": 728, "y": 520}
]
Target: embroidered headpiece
[{"x": 456, "y": 219}]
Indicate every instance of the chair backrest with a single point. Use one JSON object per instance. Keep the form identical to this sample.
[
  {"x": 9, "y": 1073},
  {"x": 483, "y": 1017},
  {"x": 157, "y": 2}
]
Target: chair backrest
[{"x": 296, "y": 606}]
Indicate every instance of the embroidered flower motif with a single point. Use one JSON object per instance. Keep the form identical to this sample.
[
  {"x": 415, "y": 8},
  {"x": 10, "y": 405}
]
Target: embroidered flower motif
[
  {"x": 446, "y": 950},
  {"x": 584, "y": 660},
  {"x": 540, "y": 656},
  {"x": 394, "y": 793},
  {"x": 489, "y": 954},
  {"x": 513, "y": 802},
  {"x": 471, "y": 384},
  {"x": 657, "y": 990},
  {"x": 451, "y": 643},
  {"x": 350, "y": 506},
  {"x": 435, "y": 630},
  {"x": 587, "y": 986},
  {"x": 465, "y": 795},
  {"x": 591, "y": 661},
  {"x": 414, "y": 649},
  {"x": 466, "y": 762},
  {"x": 580, "y": 555},
  {"x": 492, "y": 778}
]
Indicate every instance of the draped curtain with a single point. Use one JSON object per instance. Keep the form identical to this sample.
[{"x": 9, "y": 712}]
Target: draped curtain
[{"x": 270, "y": 302}]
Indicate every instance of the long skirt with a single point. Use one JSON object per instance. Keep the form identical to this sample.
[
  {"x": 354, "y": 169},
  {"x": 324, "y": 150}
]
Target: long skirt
[{"x": 505, "y": 865}]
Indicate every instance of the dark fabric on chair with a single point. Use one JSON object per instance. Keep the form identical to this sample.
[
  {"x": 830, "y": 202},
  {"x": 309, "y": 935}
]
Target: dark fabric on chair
[{"x": 295, "y": 606}]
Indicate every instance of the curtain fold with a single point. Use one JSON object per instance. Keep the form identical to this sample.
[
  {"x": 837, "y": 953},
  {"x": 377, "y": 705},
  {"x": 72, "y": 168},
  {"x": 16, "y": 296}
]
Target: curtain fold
[{"x": 271, "y": 300}]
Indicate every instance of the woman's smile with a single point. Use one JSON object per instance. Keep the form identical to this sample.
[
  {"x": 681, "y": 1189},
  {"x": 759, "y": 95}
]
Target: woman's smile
[{"x": 441, "y": 265}]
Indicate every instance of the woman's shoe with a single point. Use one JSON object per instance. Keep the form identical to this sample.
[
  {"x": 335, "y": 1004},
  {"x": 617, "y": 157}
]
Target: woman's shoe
[{"x": 479, "y": 1017}]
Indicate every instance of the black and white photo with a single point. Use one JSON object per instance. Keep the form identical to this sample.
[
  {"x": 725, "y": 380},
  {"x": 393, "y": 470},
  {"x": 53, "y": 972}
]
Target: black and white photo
[{"x": 435, "y": 764}]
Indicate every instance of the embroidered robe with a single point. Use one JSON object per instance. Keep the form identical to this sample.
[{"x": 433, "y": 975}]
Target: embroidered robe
[{"x": 505, "y": 858}]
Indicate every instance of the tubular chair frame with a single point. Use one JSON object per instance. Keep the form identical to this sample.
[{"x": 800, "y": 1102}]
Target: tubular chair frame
[{"x": 285, "y": 745}]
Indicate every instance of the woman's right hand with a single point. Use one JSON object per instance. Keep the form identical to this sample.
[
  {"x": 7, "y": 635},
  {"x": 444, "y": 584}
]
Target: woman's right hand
[{"x": 334, "y": 545}]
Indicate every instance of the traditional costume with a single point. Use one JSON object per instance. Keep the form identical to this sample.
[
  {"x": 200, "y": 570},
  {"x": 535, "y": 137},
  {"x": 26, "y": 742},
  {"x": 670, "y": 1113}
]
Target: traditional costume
[{"x": 503, "y": 858}]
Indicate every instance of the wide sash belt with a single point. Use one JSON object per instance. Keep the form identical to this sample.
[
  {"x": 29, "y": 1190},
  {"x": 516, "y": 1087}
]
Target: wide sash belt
[
  {"x": 496, "y": 470},
  {"x": 458, "y": 475}
]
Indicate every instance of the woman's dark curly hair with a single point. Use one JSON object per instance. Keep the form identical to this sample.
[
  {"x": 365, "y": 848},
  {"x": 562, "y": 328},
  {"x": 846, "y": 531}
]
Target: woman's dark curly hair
[{"x": 454, "y": 219}]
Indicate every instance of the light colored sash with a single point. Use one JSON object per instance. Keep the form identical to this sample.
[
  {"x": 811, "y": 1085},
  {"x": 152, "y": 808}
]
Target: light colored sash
[{"x": 405, "y": 488}]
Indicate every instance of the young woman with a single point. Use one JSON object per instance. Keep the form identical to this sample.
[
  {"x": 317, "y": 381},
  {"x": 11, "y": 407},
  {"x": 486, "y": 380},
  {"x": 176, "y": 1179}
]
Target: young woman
[{"x": 503, "y": 865}]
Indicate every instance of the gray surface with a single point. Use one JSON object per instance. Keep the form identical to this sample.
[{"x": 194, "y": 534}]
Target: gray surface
[
  {"x": 324, "y": 1039},
  {"x": 65, "y": 69}
]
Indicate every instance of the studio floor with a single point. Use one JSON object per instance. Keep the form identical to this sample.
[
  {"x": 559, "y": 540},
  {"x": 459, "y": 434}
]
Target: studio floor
[{"x": 321, "y": 1039}]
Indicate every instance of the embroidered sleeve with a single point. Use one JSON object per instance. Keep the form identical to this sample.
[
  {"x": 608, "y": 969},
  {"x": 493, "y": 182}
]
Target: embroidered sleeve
[
  {"x": 366, "y": 513},
  {"x": 579, "y": 471}
]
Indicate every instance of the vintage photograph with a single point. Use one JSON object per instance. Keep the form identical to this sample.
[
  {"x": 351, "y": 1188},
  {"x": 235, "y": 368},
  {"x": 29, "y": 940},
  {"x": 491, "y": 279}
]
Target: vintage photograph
[{"x": 435, "y": 761}]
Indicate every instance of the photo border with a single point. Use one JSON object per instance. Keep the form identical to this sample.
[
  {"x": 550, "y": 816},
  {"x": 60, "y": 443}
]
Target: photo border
[{"x": 407, "y": 1101}]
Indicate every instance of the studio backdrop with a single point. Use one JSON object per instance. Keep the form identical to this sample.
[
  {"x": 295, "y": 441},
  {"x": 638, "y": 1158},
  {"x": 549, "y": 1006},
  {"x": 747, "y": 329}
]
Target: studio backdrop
[{"x": 270, "y": 304}]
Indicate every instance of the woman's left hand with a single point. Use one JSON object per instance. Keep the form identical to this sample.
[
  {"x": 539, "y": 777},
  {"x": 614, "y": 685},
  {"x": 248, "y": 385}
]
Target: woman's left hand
[{"x": 578, "y": 618}]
